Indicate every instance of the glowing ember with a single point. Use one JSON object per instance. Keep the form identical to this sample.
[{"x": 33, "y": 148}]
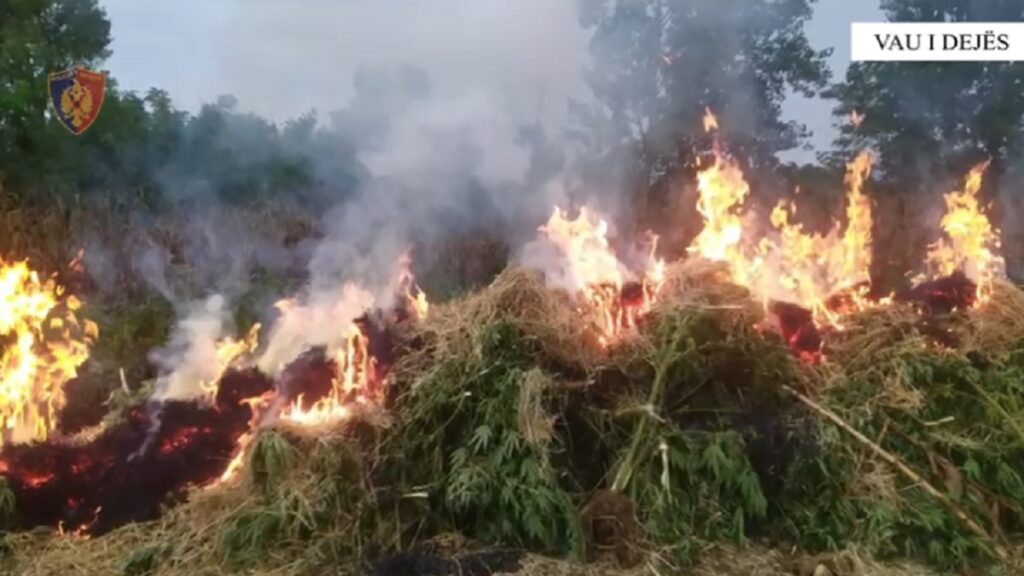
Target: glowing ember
[
  {"x": 971, "y": 244},
  {"x": 108, "y": 481},
  {"x": 44, "y": 343}
]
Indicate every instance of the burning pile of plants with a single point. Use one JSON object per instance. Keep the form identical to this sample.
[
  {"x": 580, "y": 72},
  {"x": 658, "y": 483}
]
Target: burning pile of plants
[{"x": 756, "y": 390}]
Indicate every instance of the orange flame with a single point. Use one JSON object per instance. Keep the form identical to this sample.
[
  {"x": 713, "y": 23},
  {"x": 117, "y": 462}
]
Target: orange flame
[
  {"x": 596, "y": 272},
  {"x": 584, "y": 242},
  {"x": 790, "y": 265},
  {"x": 406, "y": 285},
  {"x": 722, "y": 194},
  {"x": 972, "y": 242},
  {"x": 237, "y": 462},
  {"x": 231, "y": 352},
  {"x": 813, "y": 269},
  {"x": 47, "y": 344},
  {"x": 710, "y": 121},
  {"x": 356, "y": 382}
]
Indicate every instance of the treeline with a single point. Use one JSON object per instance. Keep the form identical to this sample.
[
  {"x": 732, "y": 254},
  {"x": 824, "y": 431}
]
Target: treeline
[
  {"x": 142, "y": 150},
  {"x": 656, "y": 66}
]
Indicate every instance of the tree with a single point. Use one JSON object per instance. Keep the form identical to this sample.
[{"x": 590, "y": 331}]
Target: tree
[
  {"x": 657, "y": 64},
  {"x": 38, "y": 37},
  {"x": 931, "y": 121}
]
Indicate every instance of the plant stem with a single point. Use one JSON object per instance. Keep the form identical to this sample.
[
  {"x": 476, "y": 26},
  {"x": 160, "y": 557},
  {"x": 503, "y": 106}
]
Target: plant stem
[
  {"x": 957, "y": 511},
  {"x": 640, "y": 441}
]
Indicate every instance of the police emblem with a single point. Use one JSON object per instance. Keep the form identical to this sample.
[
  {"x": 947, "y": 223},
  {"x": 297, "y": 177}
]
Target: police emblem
[{"x": 77, "y": 96}]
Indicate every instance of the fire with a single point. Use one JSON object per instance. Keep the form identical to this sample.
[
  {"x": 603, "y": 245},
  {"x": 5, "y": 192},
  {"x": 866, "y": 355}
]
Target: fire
[
  {"x": 609, "y": 289},
  {"x": 856, "y": 118},
  {"x": 656, "y": 268},
  {"x": 229, "y": 352},
  {"x": 356, "y": 380},
  {"x": 723, "y": 192},
  {"x": 827, "y": 273},
  {"x": 710, "y": 121},
  {"x": 237, "y": 461},
  {"x": 584, "y": 242},
  {"x": 972, "y": 243},
  {"x": 44, "y": 344},
  {"x": 415, "y": 298}
]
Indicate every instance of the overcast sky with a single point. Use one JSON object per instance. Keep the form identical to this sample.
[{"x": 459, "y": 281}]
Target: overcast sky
[{"x": 281, "y": 58}]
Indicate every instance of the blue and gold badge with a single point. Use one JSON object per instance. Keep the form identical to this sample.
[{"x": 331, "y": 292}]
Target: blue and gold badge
[{"x": 77, "y": 96}]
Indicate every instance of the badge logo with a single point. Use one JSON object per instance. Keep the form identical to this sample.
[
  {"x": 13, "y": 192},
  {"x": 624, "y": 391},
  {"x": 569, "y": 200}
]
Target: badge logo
[{"x": 77, "y": 96}]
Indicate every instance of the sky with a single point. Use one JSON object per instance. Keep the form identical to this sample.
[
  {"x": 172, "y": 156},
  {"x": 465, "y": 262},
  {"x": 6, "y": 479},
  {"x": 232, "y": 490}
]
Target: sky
[
  {"x": 829, "y": 28},
  {"x": 281, "y": 61}
]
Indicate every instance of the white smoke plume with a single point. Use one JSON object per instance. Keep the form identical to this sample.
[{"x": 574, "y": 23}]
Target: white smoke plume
[
  {"x": 319, "y": 320},
  {"x": 444, "y": 107},
  {"x": 189, "y": 363}
]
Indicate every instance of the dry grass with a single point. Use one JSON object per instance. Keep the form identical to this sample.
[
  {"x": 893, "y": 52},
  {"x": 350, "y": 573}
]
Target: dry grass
[
  {"x": 189, "y": 539},
  {"x": 699, "y": 283},
  {"x": 217, "y": 531},
  {"x": 536, "y": 425},
  {"x": 998, "y": 323},
  {"x": 190, "y": 531},
  {"x": 519, "y": 297},
  {"x": 874, "y": 344},
  {"x": 735, "y": 561},
  {"x": 69, "y": 556}
]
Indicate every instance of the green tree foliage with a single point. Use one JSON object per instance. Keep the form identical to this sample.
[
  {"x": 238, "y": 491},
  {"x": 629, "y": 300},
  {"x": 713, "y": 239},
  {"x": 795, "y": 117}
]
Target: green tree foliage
[
  {"x": 656, "y": 66},
  {"x": 141, "y": 149},
  {"x": 933, "y": 120},
  {"x": 38, "y": 37}
]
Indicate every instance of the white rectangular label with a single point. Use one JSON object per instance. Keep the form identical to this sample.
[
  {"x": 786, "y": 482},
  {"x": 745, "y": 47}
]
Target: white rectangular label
[{"x": 936, "y": 41}]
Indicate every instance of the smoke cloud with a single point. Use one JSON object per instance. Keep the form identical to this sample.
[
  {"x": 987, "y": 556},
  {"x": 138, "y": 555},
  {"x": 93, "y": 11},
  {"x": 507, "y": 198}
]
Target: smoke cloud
[
  {"x": 454, "y": 110},
  {"x": 189, "y": 363}
]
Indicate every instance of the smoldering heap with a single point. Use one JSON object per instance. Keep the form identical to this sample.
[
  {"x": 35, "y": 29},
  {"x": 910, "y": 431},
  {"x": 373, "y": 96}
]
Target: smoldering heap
[{"x": 156, "y": 451}]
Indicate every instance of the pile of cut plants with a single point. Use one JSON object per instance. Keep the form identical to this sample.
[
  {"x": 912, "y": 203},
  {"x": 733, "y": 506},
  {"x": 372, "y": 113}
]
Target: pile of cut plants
[{"x": 513, "y": 440}]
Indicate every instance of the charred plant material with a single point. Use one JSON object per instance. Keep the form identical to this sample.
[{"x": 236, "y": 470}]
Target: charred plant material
[
  {"x": 798, "y": 330},
  {"x": 944, "y": 295},
  {"x": 109, "y": 481}
]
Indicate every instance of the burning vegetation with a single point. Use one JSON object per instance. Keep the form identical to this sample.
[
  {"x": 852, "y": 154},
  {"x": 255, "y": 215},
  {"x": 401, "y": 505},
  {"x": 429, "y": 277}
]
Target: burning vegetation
[
  {"x": 43, "y": 343},
  {"x": 720, "y": 397}
]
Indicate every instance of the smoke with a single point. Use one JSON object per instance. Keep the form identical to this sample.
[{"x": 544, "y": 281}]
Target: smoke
[
  {"x": 320, "y": 319},
  {"x": 445, "y": 120},
  {"x": 189, "y": 363},
  {"x": 150, "y": 262}
]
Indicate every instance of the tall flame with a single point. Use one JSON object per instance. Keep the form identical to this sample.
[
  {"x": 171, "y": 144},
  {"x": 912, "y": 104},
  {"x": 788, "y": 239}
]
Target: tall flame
[
  {"x": 722, "y": 194},
  {"x": 814, "y": 269},
  {"x": 43, "y": 344},
  {"x": 789, "y": 264},
  {"x": 972, "y": 243}
]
